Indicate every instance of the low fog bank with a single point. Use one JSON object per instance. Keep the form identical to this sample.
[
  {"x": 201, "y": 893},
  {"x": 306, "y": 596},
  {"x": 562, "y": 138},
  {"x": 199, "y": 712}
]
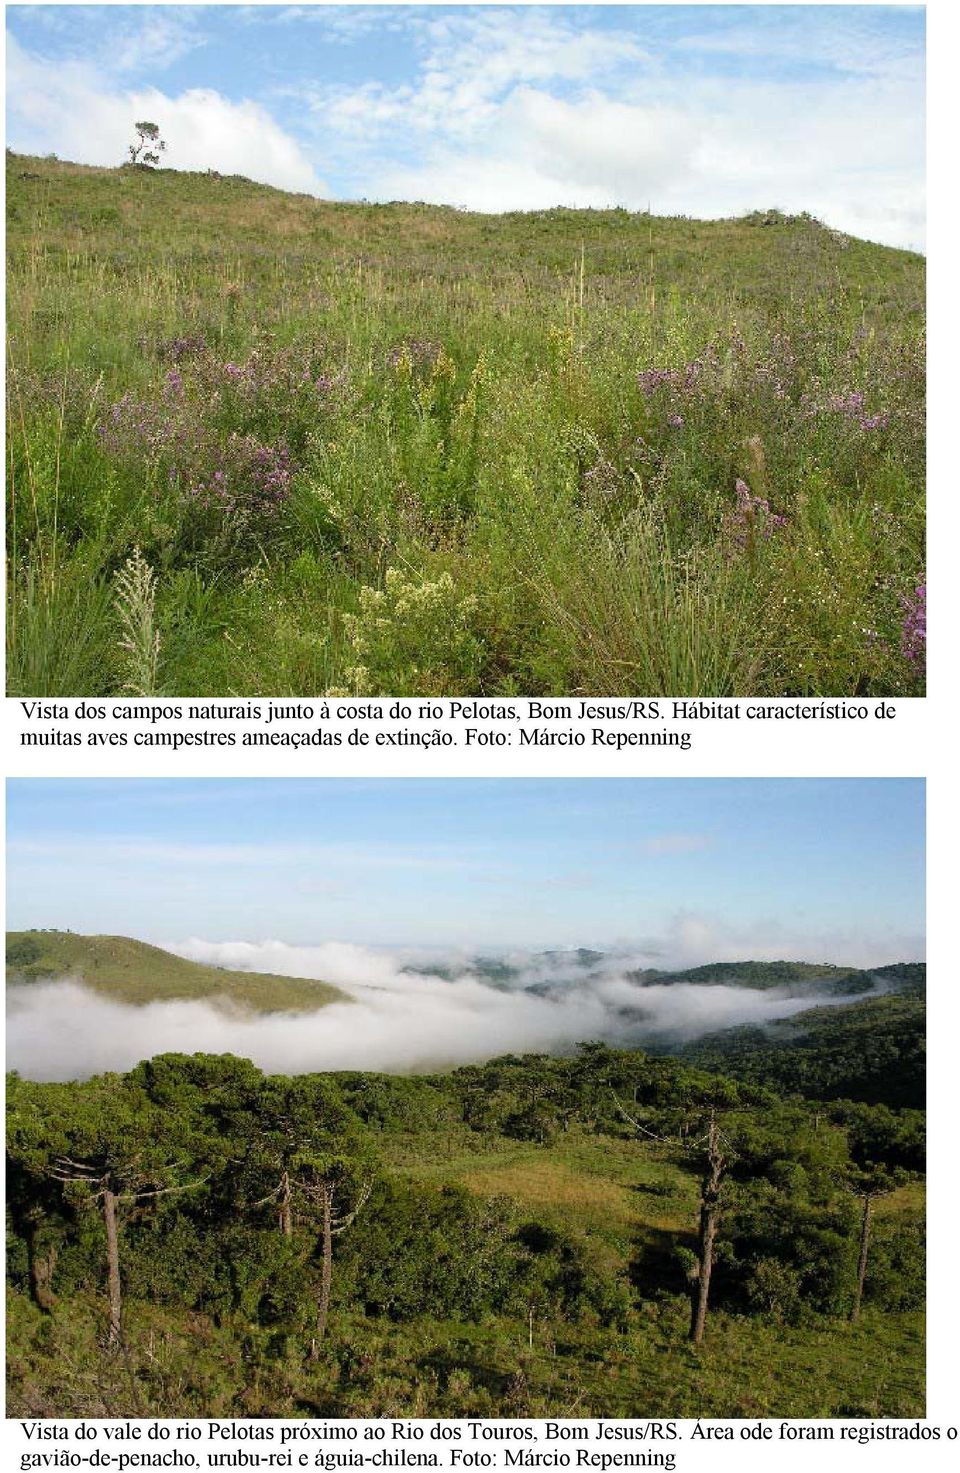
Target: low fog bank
[{"x": 401, "y": 1017}]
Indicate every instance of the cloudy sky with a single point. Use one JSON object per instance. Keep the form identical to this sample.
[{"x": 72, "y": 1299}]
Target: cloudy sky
[
  {"x": 682, "y": 871},
  {"x": 685, "y": 109}
]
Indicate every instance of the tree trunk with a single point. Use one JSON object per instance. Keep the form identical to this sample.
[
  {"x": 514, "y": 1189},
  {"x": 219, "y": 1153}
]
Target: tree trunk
[
  {"x": 862, "y": 1261},
  {"x": 709, "y": 1212},
  {"x": 113, "y": 1264},
  {"x": 326, "y": 1270},
  {"x": 709, "y": 1222},
  {"x": 286, "y": 1208},
  {"x": 42, "y": 1262}
]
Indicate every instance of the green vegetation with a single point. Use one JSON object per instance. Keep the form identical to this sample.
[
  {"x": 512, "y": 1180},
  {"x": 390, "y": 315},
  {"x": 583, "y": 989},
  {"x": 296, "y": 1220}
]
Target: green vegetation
[
  {"x": 133, "y": 972},
  {"x": 260, "y": 443},
  {"x": 874, "y": 1050},
  {"x": 513, "y": 1238},
  {"x": 793, "y": 976}
]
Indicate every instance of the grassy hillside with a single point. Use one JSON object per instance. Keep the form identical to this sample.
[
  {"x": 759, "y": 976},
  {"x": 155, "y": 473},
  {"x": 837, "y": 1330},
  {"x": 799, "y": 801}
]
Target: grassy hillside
[
  {"x": 317, "y": 447},
  {"x": 133, "y": 972}
]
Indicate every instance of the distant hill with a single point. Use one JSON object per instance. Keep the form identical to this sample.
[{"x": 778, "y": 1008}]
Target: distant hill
[
  {"x": 906, "y": 976},
  {"x": 768, "y": 975},
  {"x": 872, "y": 1050},
  {"x": 544, "y": 972},
  {"x": 133, "y": 972}
]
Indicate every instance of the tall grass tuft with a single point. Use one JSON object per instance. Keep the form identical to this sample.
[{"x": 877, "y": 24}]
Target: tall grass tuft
[
  {"x": 134, "y": 598},
  {"x": 61, "y": 640},
  {"x": 626, "y": 617}
]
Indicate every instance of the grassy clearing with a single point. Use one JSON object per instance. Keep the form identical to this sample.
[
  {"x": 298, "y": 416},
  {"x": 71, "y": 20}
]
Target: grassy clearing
[
  {"x": 600, "y": 1185},
  {"x": 133, "y": 972},
  {"x": 263, "y": 444}
]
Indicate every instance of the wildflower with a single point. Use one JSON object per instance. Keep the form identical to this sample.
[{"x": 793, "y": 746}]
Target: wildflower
[
  {"x": 691, "y": 375},
  {"x": 851, "y": 406},
  {"x": 752, "y": 517},
  {"x": 602, "y": 477},
  {"x": 413, "y": 354},
  {"x": 676, "y": 420},
  {"x": 184, "y": 347},
  {"x": 651, "y": 379},
  {"x": 913, "y": 635}
]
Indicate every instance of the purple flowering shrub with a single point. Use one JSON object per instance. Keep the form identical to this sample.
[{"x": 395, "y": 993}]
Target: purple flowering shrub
[
  {"x": 913, "y": 635},
  {"x": 242, "y": 478},
  {"x": 692, "y": 417},
  {"x": 186, "y": 347},
  {"x": 287, "y": 394},
  {"x": 725, "y": 375},
  {"x": 221, "y": 440}
]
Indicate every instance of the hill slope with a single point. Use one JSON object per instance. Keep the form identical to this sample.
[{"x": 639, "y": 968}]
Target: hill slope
[
  {"x": 133, "y": 972},
  {"x": 872, "y": 1050},
  {"x": 400, "y": 447},
  {"x": 766, "y": 976}
]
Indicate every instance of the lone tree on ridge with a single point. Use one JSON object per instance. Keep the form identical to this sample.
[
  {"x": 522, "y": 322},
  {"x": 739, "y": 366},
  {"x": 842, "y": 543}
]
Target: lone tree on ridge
[{"x": 146, "y": 152}]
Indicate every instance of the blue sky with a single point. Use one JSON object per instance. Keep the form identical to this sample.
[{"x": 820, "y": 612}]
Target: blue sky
[
  {"x": 702, "y": 110},
  {"x": 689, "y": 870}
]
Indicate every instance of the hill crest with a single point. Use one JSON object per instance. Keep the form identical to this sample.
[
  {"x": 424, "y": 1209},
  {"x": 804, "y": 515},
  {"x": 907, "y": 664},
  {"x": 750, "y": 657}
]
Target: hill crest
[{"x": 137, "y": 973}]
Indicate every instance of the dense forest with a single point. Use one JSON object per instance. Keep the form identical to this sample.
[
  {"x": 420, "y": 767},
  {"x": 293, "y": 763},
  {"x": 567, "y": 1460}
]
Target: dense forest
[
  {"x": 874, "y": 1050},
  {"x": 606, "y": 1234}
]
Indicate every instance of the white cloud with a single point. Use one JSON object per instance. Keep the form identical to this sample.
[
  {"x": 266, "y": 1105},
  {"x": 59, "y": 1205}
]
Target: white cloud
[
  {"x": 504, "y": 116},
  {"x": 854, "y": 160},
  {"x": 74, "y": 110},
  {"x": 856, "y": 42},
  {"x": 155, "y": 37},
  {"x": 686, "y": 939},
  {"x": 470, "y": 64},
  {"x": 530, "y": 109},
  {"x": 396, "y": 1020}
]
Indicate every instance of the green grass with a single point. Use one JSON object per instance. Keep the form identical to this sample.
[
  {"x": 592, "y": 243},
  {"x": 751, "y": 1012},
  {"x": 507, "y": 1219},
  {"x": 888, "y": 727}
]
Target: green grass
[
  {"x": 596, "y": 1184},
  {"x": 179, "y": 1365},
  {"x": 132, "y": 972},
  {"x": 476, "y": 491}
]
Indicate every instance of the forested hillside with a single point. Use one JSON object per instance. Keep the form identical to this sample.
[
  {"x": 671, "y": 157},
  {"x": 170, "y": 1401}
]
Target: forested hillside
[
  {"x": 514, "y": 1238},
  {"x": 874, "y": 1050},
  {"x": 766, "y": 975}
]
